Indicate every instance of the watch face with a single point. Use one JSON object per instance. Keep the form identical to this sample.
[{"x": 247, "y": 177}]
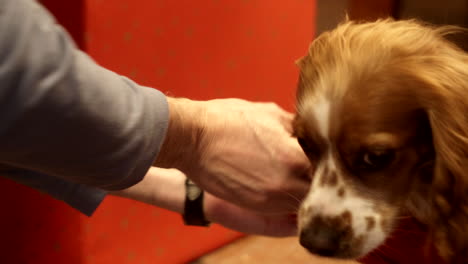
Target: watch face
[{"x": 193, "y": 192}]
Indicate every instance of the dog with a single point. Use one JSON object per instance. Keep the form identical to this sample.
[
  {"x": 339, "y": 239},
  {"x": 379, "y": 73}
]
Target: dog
[{"x": 382, "y": 114}]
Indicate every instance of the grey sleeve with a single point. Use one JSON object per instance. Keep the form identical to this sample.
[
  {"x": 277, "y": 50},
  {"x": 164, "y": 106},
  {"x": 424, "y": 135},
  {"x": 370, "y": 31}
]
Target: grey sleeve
[
  {"x": 84, "y": 198},
  {"x": 64, "y": 116}
]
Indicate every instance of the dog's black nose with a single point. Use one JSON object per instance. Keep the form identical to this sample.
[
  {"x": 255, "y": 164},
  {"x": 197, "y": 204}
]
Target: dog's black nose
[{"x": 321, "y": 238}]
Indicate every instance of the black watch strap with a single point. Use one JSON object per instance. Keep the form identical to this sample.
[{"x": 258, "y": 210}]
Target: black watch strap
[{"x": 193, "y": 208}]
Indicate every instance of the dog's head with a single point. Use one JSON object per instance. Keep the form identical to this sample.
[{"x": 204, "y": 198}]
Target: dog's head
[{"x": 382, "y": 113}]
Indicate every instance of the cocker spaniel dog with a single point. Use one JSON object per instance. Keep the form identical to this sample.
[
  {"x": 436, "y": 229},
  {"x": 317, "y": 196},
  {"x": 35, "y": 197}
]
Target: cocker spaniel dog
[{"x": 382, "y": 113}]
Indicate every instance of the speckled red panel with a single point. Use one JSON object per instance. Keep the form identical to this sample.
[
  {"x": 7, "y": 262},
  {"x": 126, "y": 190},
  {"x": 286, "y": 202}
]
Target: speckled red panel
[
  {"x": 204, "y": 49},
  {"x": 197, "y": 49}
]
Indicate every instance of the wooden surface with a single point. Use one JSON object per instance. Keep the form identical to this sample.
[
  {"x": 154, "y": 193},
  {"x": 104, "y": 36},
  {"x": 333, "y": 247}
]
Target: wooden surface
[{"x": 257, "y": 249}]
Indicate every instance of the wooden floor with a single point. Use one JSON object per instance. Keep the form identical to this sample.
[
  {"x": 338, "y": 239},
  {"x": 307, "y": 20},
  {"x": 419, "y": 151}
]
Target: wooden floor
[{"x": 257, "y": 249}]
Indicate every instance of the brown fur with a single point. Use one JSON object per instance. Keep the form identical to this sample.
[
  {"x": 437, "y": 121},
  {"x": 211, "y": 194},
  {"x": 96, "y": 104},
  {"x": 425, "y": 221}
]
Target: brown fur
[
  {"x": 329, "y": 179},
  {"x": 404, "y": 78}
]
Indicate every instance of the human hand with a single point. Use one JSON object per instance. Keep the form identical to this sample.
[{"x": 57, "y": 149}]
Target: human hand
[
  {"x": 239, "y": 151},
  {"x": 249, "y": 156}
]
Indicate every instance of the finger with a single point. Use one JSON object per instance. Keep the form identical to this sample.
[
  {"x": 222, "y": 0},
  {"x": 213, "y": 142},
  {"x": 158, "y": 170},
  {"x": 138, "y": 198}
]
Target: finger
[
  {"x": 246, "y": 221},
  {"x": 286, "y": 118},
  {"x": 282, "y": 113},
  {"x": 298, "y": 157}
]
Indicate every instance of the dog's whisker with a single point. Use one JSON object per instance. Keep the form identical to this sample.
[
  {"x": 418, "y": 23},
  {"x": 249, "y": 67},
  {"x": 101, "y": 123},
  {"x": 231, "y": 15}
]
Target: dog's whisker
[
  {"x": 410, "y": 232},
  {"x": 292, "y": 196},
  {"x": 381, "y": 254},
  {"x": 387, "y": 249},
  {"x": 384, "y": 256}
]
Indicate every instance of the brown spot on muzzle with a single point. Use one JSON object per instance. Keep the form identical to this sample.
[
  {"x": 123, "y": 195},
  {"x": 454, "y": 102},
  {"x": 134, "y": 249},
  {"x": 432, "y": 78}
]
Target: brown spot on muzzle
[
  {"x": 346, "y": 218},
  {"x": 370, "y": 222},
  {"x": 341, "y": 192}
]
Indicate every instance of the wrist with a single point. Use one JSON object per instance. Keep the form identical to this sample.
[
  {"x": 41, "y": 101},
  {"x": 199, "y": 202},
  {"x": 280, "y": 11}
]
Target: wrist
[{"x": 182, "y": 145}]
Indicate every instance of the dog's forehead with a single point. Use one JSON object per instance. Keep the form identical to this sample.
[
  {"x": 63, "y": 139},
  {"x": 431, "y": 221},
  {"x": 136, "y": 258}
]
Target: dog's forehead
[
  {"x": 358, "y": 114},
  {"x": 315, "y": 120},
  {"x": 379, "y": 105},
  {"x": 316, "y": 111},
  {"x": 343, "y": 102}
]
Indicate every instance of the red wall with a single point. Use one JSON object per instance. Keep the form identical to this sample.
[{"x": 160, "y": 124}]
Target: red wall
[
  {"x": 204, "y": 49},
  {"x": 197, "y": 49}
]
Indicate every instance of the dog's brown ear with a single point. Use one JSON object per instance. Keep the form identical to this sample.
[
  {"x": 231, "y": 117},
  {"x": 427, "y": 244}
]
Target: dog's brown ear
[
  {"x": 307, "y": 75},
  {"x": 450, "y": 183},
  {"x": 301, "y": 81},
  {"x": 319, "y": 56},
  {"x": 301, "y": 62},
  {"x": 444, "y": 97}
]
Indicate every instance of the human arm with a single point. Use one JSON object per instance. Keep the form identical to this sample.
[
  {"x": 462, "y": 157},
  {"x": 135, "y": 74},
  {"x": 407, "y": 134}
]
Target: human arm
[{"x": 65, "y": 116}]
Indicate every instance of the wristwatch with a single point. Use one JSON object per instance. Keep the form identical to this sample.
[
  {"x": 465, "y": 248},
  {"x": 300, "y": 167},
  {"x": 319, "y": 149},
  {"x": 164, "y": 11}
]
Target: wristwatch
[{"x": 193, "y": 209}]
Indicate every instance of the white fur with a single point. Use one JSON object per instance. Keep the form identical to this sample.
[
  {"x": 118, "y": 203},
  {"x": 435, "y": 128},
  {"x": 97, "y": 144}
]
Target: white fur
[
  {"x": 324, "y": 201},
  {"x": 321, "y": 111}
]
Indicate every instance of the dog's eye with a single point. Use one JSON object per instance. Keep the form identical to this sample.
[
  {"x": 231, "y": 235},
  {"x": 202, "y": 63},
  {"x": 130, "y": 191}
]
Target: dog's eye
[{"x": 376, "y": 159}]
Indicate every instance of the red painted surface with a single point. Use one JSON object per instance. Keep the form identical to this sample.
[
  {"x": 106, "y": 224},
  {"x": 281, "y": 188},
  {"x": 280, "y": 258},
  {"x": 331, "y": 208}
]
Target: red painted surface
[{"x": 196, "y": 49}]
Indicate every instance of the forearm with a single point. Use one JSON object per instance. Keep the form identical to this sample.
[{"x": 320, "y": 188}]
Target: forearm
[{"x": 163, "y": 188}]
